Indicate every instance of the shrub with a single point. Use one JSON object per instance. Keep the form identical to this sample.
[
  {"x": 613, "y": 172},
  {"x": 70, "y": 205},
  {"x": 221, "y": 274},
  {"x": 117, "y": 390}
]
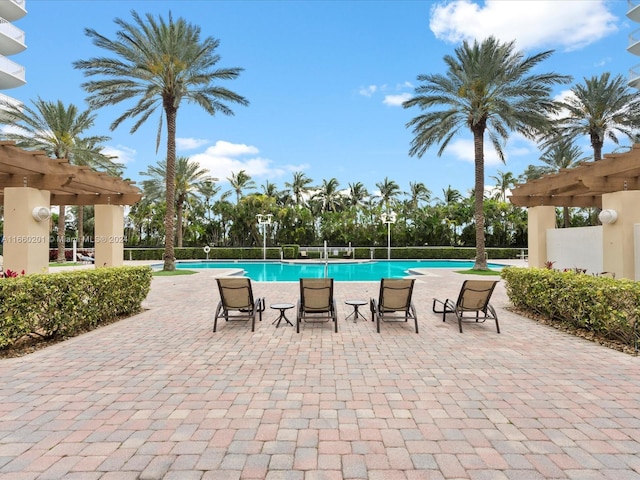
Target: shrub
[
  {"x": 66, "y": 303},
  {"x": 608, "y": 307}
]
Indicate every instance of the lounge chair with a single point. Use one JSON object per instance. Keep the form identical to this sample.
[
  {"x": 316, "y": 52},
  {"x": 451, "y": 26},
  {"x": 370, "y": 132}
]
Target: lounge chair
[
  {"x": 394, "y": 302},
  {"x": 84, "y": 258},
  {"x": 473, "y": 299},
  {"x": 316, "y": 302},
  {"x": 237, "y": 302}
]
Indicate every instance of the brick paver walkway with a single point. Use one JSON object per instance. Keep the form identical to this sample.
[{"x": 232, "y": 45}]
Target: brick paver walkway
[{"x": 159, "y": 396}]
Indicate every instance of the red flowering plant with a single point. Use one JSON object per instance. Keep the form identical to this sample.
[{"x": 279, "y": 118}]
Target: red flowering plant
[{"x": 11, "y": 273}]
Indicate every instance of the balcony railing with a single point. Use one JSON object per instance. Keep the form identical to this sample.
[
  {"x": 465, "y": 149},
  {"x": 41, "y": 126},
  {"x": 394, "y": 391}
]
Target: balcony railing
[
  {"x": 634, "y": 42},
  {"x": 633, "y": 12},
  {"x": 10, "y": 30},
  {"x": 634, "y": 76},
  {"x": 11, "y": 74}
]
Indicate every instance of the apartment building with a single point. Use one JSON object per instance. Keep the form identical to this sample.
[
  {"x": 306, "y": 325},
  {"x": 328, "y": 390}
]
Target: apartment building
[{"x": 12, "y": 42}]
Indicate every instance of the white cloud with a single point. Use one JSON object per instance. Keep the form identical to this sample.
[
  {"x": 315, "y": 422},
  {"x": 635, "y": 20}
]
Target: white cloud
[
  {"x": 534, "y": 23},
  {"x": 396, "y": 100},
  {"x": 463, "y": 150},
  {"x": 121, "y": 153},
  {"x": 225, "y": 158},
  {"x": 190, "y": 143},
  {"x": 368, "y": 91}
]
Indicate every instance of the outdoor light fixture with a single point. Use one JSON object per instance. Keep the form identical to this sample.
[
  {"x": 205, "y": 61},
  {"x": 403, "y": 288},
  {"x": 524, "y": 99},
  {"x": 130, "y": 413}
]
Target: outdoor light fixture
[
  {"x": 41, "y": 214},
  {"x": 608, "y": 216},
  {"x": 264, "y": 220},
  {"x": 388, "y": 218}
]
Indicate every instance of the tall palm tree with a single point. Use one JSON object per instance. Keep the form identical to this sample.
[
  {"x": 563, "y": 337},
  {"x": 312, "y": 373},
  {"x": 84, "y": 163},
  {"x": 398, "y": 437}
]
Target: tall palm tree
[
  {"x": 161, "y": 64},
  {"x": 559, "y": 154},
  {"x": 357, "y": 194},
  {"x": 389, "y": 191},
  {"x": 328, "y": 196},
  {"x": 189, "y": 180},
  {"x": 58, "y": 130},
  {"x": 239, "y": 182},
  {"x": 450, "y": 196},
  {"x": 270, "y": 189},
  {"x": 418, "y": 192},
  {"x": 208, "y": 189},
  {"x": 487, "y": 88},
  {"x": 599, "y": 108},
  {"x": 300, "y": 185},
  {"x": 504, "y": 182}
]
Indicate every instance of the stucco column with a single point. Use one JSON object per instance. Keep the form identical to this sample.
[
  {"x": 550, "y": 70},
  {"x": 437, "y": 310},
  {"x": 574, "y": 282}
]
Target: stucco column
[
  {"x": 109, "y": 231},
  {"x": 26, "y": 240},
  {"x": 618, "y": 252},
  {"x": 540, "y": 220}
]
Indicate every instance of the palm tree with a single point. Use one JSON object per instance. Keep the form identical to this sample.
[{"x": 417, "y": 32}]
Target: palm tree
[
  {"x": 487, "y": 88},
  {"x": 57, "y": 129},
  {"x": 357, "y": 194},
  {"x": 389, "y": 191},
  {"x": 239, "y": 182},
  {"x": 270, "y": 190},
  {"x": 450, "y": 196},
  {"x": 599, "y": 108},
  {"x": 161, "y": 64},
  {"x": 504, "y": 182},
  {"x": 560, "y": 153},
  {"x": 329, "y": 197},
  {"x": 208, "y": 189},
  {"x": 189, "y": 181},
  {"x": 418, "y": 192},
  {"x": 300, "y": 185}
]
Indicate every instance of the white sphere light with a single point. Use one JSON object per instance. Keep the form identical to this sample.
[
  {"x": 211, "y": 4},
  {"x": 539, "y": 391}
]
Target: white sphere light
[{"x": 608, "y": 216}]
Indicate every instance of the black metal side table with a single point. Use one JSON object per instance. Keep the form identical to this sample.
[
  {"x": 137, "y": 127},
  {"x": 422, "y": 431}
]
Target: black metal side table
[
  {"x": 355, "y": 304},
  {"x": 283, "y": 307}
]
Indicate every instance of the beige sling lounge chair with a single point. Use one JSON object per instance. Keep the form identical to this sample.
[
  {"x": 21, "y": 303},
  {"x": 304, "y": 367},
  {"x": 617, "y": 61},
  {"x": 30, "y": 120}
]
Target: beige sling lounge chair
[
  {"x": 394, "y": 302},
  {"x": 316, "y": 302},
  {"x": 237, "y": 302},
  {"x": 472, "y": 304}
]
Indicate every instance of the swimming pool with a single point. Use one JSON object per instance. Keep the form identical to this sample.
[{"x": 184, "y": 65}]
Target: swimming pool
[{"x": 262, "y": 271}]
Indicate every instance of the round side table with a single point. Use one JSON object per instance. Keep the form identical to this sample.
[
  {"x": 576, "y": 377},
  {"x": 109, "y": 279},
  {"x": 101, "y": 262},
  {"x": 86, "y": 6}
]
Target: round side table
[
  {"x": 355, "y": 304},
  {"x": 283, "y": 307}
]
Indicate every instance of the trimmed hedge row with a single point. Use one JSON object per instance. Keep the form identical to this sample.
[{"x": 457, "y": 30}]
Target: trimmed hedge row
[
  {"x": 605, "y": 306},
  {"x": 292, "y": 251},
  {"x": 66, "y": 303}
]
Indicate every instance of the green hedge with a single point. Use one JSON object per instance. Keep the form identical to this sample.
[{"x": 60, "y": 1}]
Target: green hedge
[
  {"x": 66, "y": 303},
  {"x": 608, "y": 307}
]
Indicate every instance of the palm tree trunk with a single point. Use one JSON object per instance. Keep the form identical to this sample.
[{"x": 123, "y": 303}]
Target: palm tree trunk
[
  {"x": 567, "y": 221},
  {"x": 80, "y": 226},
  {"x": 62, "y": 233},
  {"x": 179, "y": 223},
  {"x": 170, "y": 183},
  {"x": 478, "y": 146}
]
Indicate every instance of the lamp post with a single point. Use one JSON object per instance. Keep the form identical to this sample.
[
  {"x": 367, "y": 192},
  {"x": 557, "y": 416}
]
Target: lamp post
[
  {"x": 264, "y": 220},
  {"x": 388, "y": 218}
]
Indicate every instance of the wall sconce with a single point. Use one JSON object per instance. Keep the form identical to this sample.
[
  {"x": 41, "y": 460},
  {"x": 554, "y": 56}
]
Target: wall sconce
[
  {"x": 41, "y": 214},
  {"x": 608, "y": 216}
]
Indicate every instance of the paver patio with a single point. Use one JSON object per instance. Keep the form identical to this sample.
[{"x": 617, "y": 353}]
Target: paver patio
[{"x": 159, "y": 396}]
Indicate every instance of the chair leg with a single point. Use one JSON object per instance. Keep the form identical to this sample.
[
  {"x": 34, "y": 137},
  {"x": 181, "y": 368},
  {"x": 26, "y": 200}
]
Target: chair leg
[{"x": 495, "y": 316}]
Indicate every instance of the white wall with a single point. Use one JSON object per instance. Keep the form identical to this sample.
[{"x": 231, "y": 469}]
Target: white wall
[{"x": 579, "y": 247}]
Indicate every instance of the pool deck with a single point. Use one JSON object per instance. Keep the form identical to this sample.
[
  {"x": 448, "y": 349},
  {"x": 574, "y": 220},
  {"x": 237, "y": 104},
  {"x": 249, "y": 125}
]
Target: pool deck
[{"x": 159, "y": 396}]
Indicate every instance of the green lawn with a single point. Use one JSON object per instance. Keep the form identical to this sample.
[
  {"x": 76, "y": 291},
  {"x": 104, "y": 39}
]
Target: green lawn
[{"x": 479, "y": 272}]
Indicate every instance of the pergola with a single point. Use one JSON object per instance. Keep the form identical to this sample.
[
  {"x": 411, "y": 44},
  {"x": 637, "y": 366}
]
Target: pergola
[
  {"x": 582, "y": 186},
  {"x": 31, "y": 179},
  {"x": 611, "y": 184}
]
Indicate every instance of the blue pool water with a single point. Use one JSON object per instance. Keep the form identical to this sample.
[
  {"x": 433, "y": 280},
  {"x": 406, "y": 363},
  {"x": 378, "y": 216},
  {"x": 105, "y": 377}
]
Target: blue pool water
[{"x": 353, "y": 271}]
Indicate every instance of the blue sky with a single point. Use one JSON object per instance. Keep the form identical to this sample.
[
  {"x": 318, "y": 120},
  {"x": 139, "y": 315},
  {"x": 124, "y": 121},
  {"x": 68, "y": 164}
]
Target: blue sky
[{"x": 325, "y": 79}]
